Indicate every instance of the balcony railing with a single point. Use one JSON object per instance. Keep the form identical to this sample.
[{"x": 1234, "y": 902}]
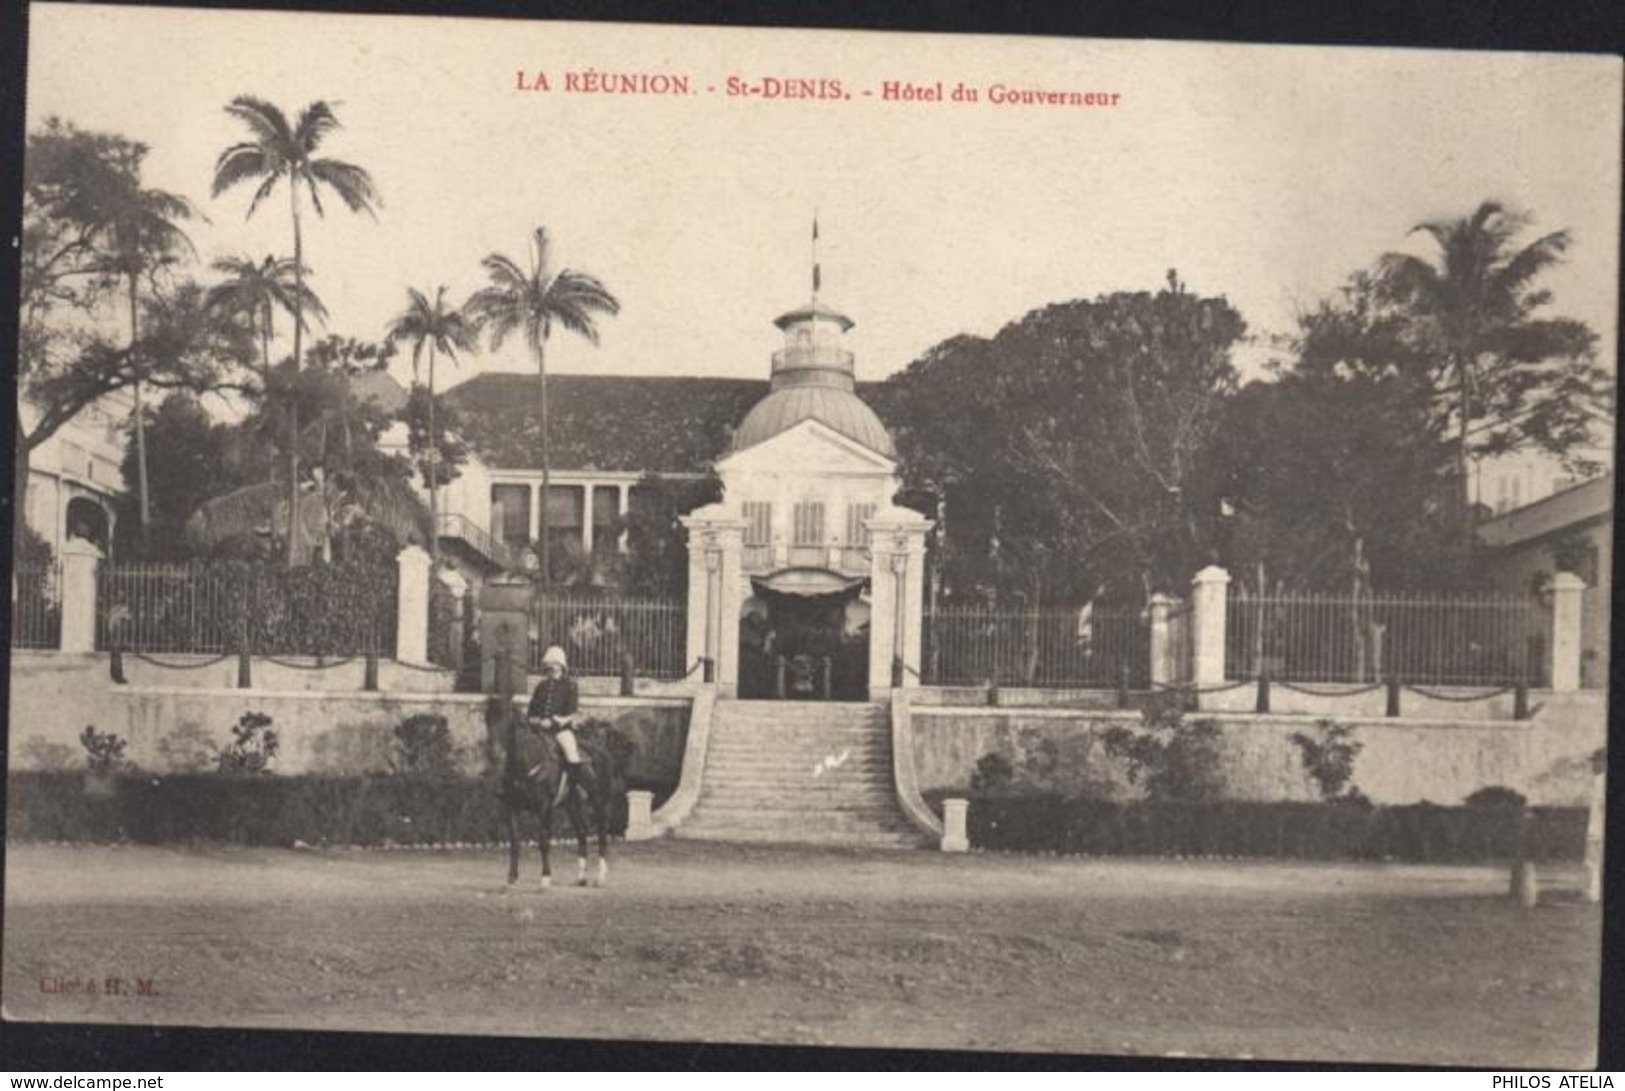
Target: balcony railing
[
  {"x": 803, "y": 356},
  {"x": 454, "y": 524}
]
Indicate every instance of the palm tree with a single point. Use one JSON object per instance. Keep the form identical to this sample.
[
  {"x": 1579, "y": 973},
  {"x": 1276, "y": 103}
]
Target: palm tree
[
  {"x": 1475, "y": 305},
  {"x": 142, "y": 235},
  {"x": 258, "y": 289},
  {"x": 278, "y": 150},
  {"x": 442, "y": 329},
  {"x": 532, "y": 302}
]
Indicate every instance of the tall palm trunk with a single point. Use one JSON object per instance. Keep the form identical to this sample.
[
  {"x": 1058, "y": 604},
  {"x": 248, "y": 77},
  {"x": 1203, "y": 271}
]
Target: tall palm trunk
[
  {"x": 541, "y": 373},
  {"x": 1469, "y": 529},
  {"x": 298, "y": 359},
  {"x": 140, "y": 431},
  {"x": 434, "y": 476}
]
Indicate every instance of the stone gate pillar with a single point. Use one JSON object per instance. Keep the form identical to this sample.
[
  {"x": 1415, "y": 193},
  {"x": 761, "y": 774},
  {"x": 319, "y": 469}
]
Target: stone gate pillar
[
  {"x": 896, "y": 599},
  {"x": 80, "y": 561},
  {"x": 716, "y": 592}
]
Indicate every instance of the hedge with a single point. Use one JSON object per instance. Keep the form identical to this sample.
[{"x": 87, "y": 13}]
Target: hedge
[
  {"x": 270, "y": 810},
  {"x": 1416, "y": 833}
]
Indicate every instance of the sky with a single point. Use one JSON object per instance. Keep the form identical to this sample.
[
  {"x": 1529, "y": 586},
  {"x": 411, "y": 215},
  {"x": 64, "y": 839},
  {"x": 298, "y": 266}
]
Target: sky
[{"x": 1262, "y": 173}]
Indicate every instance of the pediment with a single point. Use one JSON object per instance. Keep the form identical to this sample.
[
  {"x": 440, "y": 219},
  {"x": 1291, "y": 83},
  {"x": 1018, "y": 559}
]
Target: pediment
[{"x": 809, "y": 447}]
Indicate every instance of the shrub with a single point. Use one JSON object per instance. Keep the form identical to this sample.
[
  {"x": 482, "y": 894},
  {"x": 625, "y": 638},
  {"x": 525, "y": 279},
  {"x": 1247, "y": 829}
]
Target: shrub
[
  {"x": 1328, "y": 757},
  {"x": 1496, "y": 795},
  {"x": 423, "y": 747},
  {"x": 1172, "y": 759},
  {"x": 993, "y": 772},
  {"x": 104, "y": 751},
  {"x": 253, "y": 746}
]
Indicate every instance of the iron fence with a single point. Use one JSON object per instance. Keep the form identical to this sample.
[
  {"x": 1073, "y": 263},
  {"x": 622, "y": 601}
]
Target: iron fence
[
  {"x": 36, "y": 612},
  {"x": 597, "y": 632},
  {"x": 1430, "y": 639},
  {"x": 215, "y": 608},
  {"x": 1088, "y": 647}
]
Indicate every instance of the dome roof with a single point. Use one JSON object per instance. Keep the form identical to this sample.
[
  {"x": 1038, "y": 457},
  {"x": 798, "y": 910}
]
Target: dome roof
[{"x": 839, "y": 409}]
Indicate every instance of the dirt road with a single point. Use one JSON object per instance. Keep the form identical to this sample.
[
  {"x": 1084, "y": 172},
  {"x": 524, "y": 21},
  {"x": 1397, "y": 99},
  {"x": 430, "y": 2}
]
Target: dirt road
[{"x": 731, "y": 944}]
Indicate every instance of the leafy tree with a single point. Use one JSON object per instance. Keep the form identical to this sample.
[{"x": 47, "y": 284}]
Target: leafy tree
[
  {"x": 256, "y": 290},
  {"x": 1504, "y": 375},
  {"x": 657, "y": 544},
  {"x": 1067, "y": 450},
  {"x": 77, "y": 227},
  {"x": 193, "y": 458},
  {"x": 275, "y": 151},
  {"x": 449, "y": 451},
  {"x": 531, "y": 301},
  {"x": 142, "y": 237},
  {"x": 443, "y": 329}
]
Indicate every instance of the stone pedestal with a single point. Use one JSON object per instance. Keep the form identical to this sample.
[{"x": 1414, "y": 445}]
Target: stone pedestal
[
  {"x": 639, "y": 812},
  {"x": 412, "y": 606},
  {"x": 1566, "y": 589},
  {"x": 896, "y": 599},
  {"x": 1160, "y": 611},
  {"x": 80, "y": 563},
  {"x": 504, "y": 636},
  {"x": 1209, "y": 601},
  {"x": 954, "y": 838}
]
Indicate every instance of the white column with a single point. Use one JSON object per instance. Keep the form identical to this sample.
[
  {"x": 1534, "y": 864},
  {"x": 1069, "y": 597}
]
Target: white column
[
  {"x": 586, "y": 519},
  {"x": 1209, "y": 592},
  {"x": 535, "y": 511},
  {"x": 896, "y": 596},
  {"x": 1161, "y": 608},
  {"x": 80, "y": 560},
  {"x": 623, "y": 511},
  {"x": 1567, "y": 589},
  {"x": 715, "y": 541},
  {"x": 412, "y": 606}
]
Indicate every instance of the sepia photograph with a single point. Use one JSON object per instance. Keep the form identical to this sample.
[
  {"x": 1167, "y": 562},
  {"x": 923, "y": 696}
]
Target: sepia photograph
[{"x": 799, "y": 537}]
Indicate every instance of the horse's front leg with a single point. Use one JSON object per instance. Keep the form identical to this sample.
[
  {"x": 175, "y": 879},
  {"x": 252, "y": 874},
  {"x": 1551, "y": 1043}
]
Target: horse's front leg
[
  {"x": 513, "y": 844},
  {"x": 572, "y": 801},
  {"x": 546, "y": 842},
  {"x": 600, "y": 807}
]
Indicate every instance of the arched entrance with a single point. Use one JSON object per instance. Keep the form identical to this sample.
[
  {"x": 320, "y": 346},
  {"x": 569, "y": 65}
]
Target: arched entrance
[{"x": 804, "y": 635}]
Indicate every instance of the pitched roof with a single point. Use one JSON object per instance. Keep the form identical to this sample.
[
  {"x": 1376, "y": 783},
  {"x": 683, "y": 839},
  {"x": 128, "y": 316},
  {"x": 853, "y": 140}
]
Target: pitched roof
[
  {"x": 664, "y": 424},
  {"x": 1570, "y": 509},
  {"x": 381, "y": 388}
]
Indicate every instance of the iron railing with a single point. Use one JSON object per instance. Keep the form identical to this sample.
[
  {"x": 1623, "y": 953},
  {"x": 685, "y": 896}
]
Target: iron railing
[
  {"x": 36, "y": 611},
  {"x": 597, "y": 632},
  {"x": 1089, "y": 647},
  {"x": 454, "y": 524},
  {"x": 213, "y": 609},
  {"x": 1430, "y": 639}
]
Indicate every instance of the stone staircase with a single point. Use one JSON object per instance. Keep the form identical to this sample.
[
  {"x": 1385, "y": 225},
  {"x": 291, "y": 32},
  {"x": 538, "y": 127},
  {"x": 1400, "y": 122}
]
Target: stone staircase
[{"x": 811, "y": 772}]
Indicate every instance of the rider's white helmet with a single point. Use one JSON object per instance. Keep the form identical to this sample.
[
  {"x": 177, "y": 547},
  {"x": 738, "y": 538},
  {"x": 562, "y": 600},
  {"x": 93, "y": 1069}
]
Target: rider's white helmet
[{"x": 553, "y": 655}]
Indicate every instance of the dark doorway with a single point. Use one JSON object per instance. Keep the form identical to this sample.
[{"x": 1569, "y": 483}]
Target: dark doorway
[{"x": 804, "y": 646}]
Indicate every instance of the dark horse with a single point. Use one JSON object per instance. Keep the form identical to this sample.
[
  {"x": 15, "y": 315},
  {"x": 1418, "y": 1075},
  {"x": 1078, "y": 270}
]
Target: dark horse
[{"x": 532, "y": 771}]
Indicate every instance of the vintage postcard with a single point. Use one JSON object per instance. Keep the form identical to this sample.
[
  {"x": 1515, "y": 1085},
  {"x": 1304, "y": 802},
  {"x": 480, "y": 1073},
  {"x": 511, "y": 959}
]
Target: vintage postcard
[{"x": 730, "y": 535}]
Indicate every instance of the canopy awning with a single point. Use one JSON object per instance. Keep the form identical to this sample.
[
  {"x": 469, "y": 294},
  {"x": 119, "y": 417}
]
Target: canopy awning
[{"x": 807, "y": 583}]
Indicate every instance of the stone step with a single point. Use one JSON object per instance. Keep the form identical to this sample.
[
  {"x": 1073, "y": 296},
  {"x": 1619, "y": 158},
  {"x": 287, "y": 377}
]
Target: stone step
[
  {"x": 879, "y": 840},
  {"x": 790, "y": 822}
]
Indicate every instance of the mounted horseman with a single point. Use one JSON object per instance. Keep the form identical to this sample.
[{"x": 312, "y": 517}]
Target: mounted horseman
[{"x": 543, "y": 754}]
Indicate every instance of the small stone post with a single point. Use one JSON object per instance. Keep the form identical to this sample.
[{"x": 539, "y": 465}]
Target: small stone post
[
  {"x": 1591, "y": 880},
  {"x": 412, "y": 606},
  {"x": 1566, "y": 590},
  {"x": 953, "y": 825},
  {"x": 639, "y": 816},
  {"x": 1209, "y": 600},
  {"x": 80, "y": 561}
]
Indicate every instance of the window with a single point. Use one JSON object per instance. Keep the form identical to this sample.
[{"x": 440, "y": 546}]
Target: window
[
  {"x": 606, "y": 517},
  {"x": 513, "y": 522},
  {"x": 565, "y": 510},
  {"x": 808, "y": 529},
  {"x": 758, "y": 522},
  {"x": 857, "y": 535}
]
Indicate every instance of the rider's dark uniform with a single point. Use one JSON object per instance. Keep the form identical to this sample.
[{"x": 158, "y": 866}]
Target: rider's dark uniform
[{"x": 554, "y": 697}]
